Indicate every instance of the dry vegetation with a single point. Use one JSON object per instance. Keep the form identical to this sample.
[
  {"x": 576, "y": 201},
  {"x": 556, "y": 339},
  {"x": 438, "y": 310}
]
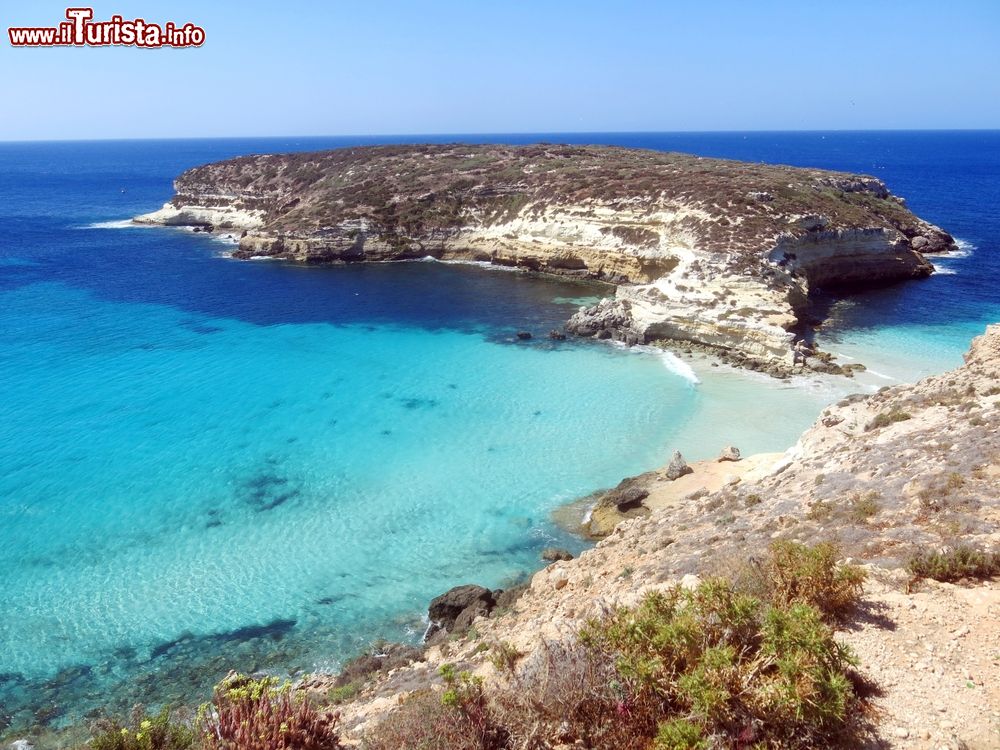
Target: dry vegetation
[{"x": 419, "y": 192}]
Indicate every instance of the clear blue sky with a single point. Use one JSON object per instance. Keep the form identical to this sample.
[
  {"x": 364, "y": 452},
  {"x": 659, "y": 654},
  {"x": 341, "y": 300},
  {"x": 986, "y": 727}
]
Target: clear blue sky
[{"x": 291, "y": 67}]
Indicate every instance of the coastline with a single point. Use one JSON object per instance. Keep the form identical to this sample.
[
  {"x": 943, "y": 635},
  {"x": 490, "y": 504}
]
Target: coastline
[
  {"x": 919, "y": 641},
  {"x": 706, "y": 362},
  {"x": 589, "y": 518}
]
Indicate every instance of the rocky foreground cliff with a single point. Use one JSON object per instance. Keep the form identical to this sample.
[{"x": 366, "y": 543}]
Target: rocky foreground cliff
[
  {"x": 712, "y": 252},
  {"x": 901, "y": 481}
]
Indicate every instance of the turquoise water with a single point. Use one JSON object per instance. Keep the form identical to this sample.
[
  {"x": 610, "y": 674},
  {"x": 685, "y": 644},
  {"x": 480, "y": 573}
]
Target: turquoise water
[{"x": 209, "y": 464}]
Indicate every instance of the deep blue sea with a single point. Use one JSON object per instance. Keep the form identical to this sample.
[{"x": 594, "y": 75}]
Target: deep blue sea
[{"x": 209, "y": 464}]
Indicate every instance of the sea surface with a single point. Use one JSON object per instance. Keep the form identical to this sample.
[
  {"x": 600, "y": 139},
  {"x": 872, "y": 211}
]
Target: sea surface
[{"x": 209, "y": 464}]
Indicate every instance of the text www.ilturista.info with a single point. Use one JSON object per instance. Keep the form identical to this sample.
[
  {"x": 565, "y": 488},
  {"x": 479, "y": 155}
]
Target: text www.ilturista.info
[{"x": 81, "y": 31}]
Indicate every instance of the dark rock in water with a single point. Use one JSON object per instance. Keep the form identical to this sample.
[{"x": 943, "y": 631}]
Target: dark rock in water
[
  {"x": 677, "y": 467},
  {"x": 604, "y": 334},
  {"x": 505, "y": 599},
  {"x": 523, "y": 335},
  {"x": 730, "y": 453},
  {"x": 557, "y": 335},
  {"x": 445, "y": 609},
  {"x": 555, "y": 554}
]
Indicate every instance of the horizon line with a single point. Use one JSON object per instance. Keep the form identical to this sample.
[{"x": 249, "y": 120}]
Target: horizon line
[{"x": 481, "y": 134}]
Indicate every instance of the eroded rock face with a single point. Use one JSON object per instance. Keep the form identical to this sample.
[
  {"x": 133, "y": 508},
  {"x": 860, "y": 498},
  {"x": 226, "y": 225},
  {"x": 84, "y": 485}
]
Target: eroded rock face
[{"x": 719, "y": 253}]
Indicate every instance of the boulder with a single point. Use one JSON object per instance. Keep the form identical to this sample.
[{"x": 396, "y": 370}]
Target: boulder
[
  {"x": 628, "y": 494},
  {"x": 465, "y": 619},
  {"x": 630, "y": 497},
  {"x": 555, "y": 554},
  {"x": 601, "y": 319},
  {"x": 557, "y": 335},
  {"x": 677, "y": 467},
  {"x": 523, "y": 335},
  {"x": 730, "y": 453},
  {"x": 506, "y": 598},
  {"x": 445, "y": 609}
]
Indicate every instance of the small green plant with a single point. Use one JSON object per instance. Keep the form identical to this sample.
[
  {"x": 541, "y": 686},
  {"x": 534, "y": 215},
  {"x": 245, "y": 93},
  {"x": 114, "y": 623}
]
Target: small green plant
[
  {"x": 342, "y": 694},
  {"x": 821, "y": 510},
  {"x": 679, "y": 734},
  {"x": 863, "y": 506},
  {"x": 504, "y": 656},
  {"x": 752, "y": 500},
  {"x": 143, "y": 732},
  {"x": 955, "y": 481},
  {"x": 955, "y": 564},
  {"x": 887, "y": 418}
]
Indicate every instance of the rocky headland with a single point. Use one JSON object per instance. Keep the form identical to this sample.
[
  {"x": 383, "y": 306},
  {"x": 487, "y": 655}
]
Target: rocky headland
[
  {"x": 900, "y": 481},
  {"x": 717, "y": 254}
]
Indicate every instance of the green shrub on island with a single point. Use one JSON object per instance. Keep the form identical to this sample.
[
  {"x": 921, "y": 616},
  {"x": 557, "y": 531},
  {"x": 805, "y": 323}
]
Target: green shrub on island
[
  {"x": 714, "y": 663},
  {"x": 955, "y": 564},
  {"x": 794, "y": 573},
  {"x": 723, "y": 664},
  {"x": 144, "y": 732},
  {"x": 887, "y": 418}
]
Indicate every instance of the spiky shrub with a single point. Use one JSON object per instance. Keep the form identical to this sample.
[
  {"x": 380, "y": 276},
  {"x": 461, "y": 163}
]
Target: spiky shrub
[
  {"x": 955, "y": 564},
  {"x": 249, "y": 714},
  {"x": 887, "y": 418},
  {"x": 460, "y": 718},
  {"x": 795, "y": 573},
  {"x": 143, "y": 732},
  {"x": 716, "y": 666}
]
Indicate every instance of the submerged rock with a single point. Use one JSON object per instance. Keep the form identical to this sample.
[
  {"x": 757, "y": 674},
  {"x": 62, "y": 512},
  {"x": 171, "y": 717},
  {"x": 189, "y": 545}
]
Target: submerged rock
[{"x": 523, "y": 335}]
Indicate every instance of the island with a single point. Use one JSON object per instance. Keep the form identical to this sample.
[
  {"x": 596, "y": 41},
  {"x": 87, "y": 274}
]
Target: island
[{"x": 716, "y": 254}]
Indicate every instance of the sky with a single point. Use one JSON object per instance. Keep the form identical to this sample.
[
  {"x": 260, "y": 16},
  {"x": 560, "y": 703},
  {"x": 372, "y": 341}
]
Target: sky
[{"x": 328, "y": 67}]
